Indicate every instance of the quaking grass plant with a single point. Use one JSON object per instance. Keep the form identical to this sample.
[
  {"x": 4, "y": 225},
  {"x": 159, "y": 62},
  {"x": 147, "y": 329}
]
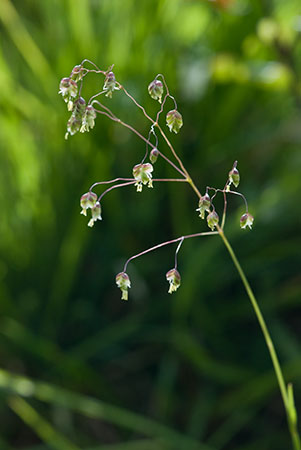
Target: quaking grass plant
[{"x": 83, "y": 116}]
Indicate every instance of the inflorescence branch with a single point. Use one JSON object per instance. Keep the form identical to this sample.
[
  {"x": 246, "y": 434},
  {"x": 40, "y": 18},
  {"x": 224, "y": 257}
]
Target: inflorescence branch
[{"x": 83, "y": 116}]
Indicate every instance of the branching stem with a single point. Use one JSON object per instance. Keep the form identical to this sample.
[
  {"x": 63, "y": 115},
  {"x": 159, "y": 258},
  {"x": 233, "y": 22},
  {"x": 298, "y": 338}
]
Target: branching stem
[
  {"x": 115, "y": 187},
  {"x": 286, "y": 393},
  {"x": 130, "y": 181},
  {"x": 135, "y": 101},
  {"x": 115, "y": 119},
  {"x": 172, "y": 241}
]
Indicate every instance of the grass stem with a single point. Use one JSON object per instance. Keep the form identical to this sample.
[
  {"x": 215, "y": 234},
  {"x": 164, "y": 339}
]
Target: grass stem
[{"x": 292, "y": 423}]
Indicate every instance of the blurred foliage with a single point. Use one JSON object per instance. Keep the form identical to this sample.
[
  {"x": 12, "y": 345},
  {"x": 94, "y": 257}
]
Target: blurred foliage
[{"x": 188, "y": 371}]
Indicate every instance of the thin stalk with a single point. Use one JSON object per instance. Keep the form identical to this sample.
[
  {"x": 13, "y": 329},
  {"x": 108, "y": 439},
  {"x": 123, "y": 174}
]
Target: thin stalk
[
  {"x": 178, "y": 180},
  {"x": 225, "y": 192},
  {"x": 135, "y": 101},
  {"x": 177, "y": 251},
  {"x": 108, "y": 182},
  {"x": 292, "y": 426},
  {"x": 99, "y": 183},
  {"x": 167, "y": 95},
  {"x": 115, "y": 119},
  {"x": 94, "y": 96},
  {"x": 189, "y": 179},
  {"x": 128, "y": 183},
  {"x": 93, "y": 64},
  {"x": 151, "y": 145},
  {"x": 115, "y": 187},
  {"x": 172, "y": 241}
]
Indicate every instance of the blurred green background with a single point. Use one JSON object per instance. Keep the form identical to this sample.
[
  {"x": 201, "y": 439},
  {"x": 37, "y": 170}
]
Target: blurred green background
[{"x": 80, "y": 368}]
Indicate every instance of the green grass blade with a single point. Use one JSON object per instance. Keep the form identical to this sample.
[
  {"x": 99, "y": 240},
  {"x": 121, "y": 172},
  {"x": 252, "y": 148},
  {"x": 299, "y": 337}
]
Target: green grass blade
[
  {"x": 97, "y": 409},
  {"x": 40, "y": 426}
]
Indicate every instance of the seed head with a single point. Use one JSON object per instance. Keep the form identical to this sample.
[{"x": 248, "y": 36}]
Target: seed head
[
  {"x": 154, "y": 155},
  {"x": 87, "y": 200},
  {"x": 155, "y": 90},
  {"x": 174, "y": 279},
  {"x": 88, "y": 119},
  {"x": 73, "y": 126},
  {"x": 96, "y": 214},
  {"x": 174, "y": 120},
  {"x": 77, "y": 73},
  {"x": 79, "y": 108},
  {"x": 75, "y": 122},
  {"x": 246, "y": 220},
  {"x": 212, "y": 220},
  {"x": 143, "y": 175},
  {"x": 234, "y": 177},
  {"x": 68, "y": 88},
  {"x": 123, "y": 282},
  {"x": 204, "y": 205},
  {"x": 110, "y": 84}
]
